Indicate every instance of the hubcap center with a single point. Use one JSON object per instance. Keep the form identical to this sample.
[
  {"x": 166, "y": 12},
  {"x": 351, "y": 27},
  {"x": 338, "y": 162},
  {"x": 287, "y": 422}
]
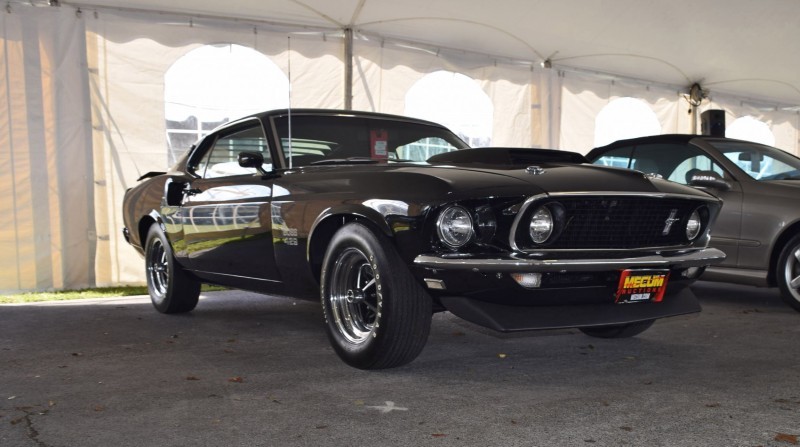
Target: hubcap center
[{"x": 354, "y": 296}]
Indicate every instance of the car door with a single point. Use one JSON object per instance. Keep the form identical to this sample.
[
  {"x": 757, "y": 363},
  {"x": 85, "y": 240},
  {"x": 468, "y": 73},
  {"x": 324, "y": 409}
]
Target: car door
[
  {"x": 676, "y": 162},
  {"x": 226, "y": 212}
]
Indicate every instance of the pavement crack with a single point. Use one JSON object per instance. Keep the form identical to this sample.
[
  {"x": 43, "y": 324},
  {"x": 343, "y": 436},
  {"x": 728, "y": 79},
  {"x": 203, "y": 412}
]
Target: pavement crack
[{"x": 33, "y": 434}]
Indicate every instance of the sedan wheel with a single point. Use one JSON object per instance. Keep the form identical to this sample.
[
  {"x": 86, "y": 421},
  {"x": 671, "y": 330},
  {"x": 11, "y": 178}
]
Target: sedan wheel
[
  {"x": 374, "y": 319},
  {"x": 788, "y": 273},
  {"x": 172, "y": 289}
]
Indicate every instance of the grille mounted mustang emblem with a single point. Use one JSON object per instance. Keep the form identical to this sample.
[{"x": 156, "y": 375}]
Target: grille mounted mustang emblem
[{"x": 670, "y": 220}]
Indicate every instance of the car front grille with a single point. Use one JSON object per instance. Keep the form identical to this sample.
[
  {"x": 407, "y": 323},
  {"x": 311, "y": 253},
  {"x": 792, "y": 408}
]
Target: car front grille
[{"x": 624, "y": 222}]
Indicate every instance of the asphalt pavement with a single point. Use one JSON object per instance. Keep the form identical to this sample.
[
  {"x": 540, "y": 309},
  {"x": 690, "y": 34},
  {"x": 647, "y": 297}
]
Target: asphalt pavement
[{"x": 251, "y": 370}]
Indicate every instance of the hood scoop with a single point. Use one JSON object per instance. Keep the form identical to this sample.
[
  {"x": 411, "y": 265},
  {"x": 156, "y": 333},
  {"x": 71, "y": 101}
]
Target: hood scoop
[{"x": 507, "y": 157}]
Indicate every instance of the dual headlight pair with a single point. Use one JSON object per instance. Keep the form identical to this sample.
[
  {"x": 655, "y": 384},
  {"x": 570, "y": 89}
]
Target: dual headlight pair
[{"x": 455, "y": 225}]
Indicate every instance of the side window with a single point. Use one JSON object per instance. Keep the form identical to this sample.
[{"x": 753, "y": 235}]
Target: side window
[
  {"x": 222, "y": 160},
  {"x": 619, "y": 158},
  {"x": 759, "y": 165},
  {"x": 674, "y": 162},
  {"x": 690, "y": 166}
]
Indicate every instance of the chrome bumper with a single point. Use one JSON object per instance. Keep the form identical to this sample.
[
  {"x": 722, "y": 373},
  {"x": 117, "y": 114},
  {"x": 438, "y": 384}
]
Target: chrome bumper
[{"x": 694, "y": 258}]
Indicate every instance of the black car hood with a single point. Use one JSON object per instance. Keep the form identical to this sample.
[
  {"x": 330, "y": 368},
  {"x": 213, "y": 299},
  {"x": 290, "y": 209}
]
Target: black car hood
[
  {"x": 555, "y": 178},
  {"x": 424, "y": 182},
  {"x": 548, "y": 170}
]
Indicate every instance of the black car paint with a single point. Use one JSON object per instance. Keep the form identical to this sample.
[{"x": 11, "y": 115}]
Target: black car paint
[{"x": 292, "y": 212}]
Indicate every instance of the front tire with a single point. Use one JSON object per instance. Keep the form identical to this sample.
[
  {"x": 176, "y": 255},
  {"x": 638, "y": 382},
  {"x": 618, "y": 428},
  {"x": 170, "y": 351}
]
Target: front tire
[
  {"x": 172, "y": 289},
  {"x": 376, "y": 315},
  {"x": 619, "y": 330},
  {"x": 788, "y": 273}
]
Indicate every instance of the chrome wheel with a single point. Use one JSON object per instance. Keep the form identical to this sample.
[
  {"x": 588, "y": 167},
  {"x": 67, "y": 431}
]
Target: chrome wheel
[
  {"x": 787, "y": 273},
  {"x": 374, "y": 320},
  {"x": 172, "y": 289},
  {"x": 354, "y": 296},
  {"x": 158, "y": 267},
  {"x": 791, "y": 273}
]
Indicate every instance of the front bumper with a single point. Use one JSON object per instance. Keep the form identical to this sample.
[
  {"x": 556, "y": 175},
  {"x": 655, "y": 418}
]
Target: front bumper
[
  {"x": 511, "y": 264},
  {"x": 574, "y": 292}
]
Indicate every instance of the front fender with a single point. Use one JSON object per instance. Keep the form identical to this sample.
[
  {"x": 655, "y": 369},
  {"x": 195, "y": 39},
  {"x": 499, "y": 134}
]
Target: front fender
[{"x": 335, "y": 217}]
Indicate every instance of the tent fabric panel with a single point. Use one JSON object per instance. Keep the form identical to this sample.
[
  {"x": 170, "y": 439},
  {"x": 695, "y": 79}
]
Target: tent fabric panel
[
  {"x": 583, "y": 97},
  {"x": 42, "y": 155},
  {"x": 383, "y": 75}
]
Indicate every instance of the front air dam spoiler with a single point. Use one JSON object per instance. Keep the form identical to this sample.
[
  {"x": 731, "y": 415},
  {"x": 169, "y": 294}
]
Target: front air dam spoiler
[{"x": 506, "y": 318}]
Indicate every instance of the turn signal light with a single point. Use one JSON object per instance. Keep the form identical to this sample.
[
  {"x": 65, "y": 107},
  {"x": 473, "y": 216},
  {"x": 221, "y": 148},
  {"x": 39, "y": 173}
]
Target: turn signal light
[{"x": 528, "y": 280}]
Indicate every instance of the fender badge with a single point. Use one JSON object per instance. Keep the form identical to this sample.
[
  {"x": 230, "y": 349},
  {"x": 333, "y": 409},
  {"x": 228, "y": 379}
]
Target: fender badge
[{"x": 535, "y": 170}]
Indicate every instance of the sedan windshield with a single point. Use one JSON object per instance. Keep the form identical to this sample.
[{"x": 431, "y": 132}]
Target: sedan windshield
[{"x": 759, "y": 161}]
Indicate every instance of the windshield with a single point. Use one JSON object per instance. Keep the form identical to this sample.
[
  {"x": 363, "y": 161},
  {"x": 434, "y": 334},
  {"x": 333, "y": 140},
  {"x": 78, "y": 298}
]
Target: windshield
[
  {"x": 325, "y": 139},
  {"x": 760, "y": 162}
]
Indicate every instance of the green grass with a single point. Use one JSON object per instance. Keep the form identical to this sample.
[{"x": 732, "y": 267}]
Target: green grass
[{"x": 100, "y": 292}]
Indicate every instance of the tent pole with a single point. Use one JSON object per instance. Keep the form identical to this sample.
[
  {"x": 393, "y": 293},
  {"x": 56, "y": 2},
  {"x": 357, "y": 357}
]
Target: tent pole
[{"x": 348, "y": 68}]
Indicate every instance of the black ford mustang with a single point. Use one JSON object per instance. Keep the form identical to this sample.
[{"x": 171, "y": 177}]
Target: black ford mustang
[{"x": 388, "y": 219}]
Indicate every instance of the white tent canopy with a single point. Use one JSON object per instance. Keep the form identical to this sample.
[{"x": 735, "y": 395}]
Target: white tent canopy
[
  {"x": 740, "y": 47},
  {"x": 85, "y": 89}
]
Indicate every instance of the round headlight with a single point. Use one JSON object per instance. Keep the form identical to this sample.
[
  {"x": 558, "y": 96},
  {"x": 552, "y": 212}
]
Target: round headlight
[
  {"x": 455, "y": 226},
  {"x": 541, "y": 225},
  {"x": 693, "y": 225}
]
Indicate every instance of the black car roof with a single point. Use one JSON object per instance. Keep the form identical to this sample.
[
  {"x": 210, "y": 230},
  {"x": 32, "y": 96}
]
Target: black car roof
[{"x": 335, "y": 112}]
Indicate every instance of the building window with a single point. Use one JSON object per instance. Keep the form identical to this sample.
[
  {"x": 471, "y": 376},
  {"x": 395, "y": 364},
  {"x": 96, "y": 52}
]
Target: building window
[
  {"x": 624, "y": 118},
  {"x": 214, "y": 84},
  {"x": 455, "y": 101}
]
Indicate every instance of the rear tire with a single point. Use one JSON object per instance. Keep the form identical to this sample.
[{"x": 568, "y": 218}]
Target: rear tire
[
  {"x": 376, "y": 314},
  {"x": 788, "y": 273},
  {"x": 619, "y": 330},
  {"x": 172, "y": 289}
]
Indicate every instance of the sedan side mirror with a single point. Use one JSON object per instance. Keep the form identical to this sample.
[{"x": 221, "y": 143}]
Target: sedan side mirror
[
  {"x": 252, "y": 160},
  {"x": 709, "y": 179}
]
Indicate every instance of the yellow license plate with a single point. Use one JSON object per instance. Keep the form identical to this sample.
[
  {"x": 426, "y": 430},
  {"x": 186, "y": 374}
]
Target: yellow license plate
[{"x": 639, "y": 286}]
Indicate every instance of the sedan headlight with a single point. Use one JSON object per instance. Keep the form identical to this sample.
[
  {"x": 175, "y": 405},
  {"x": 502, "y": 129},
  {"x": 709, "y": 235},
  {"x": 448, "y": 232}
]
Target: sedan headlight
[
  {"x": 455, "y": 226},
  {"x": 541, "y": 226},
  {"x": 693, "y": 225}
]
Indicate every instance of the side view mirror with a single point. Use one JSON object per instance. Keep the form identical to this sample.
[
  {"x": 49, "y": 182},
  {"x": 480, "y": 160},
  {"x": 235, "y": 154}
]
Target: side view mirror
[
  {"x": 252, "y": 160},
  {"x": 709, "y": 179},
  {"x": 174, "y": 192}
]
